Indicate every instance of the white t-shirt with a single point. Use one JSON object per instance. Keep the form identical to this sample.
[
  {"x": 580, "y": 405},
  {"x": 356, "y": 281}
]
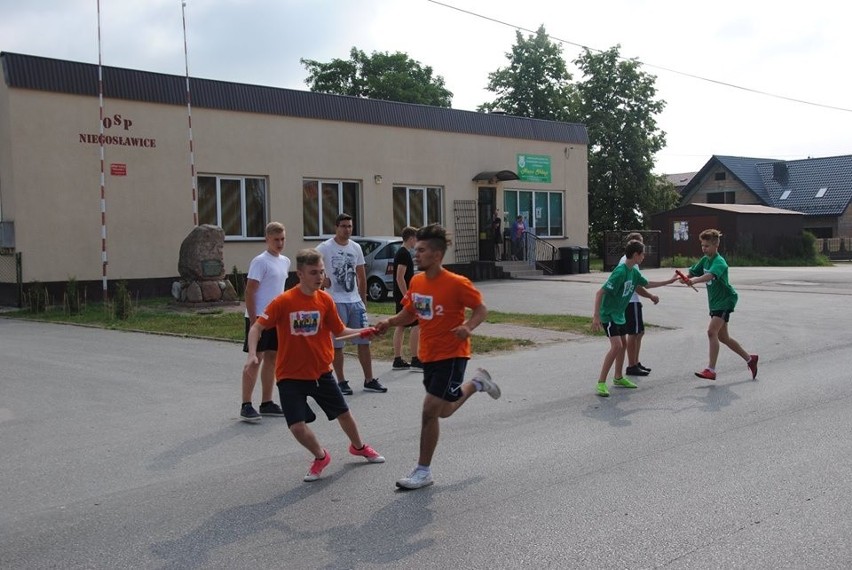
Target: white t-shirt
[
  {"x": 270, "y": 271},
  {"x": 635, "y": 297},
  {"x": 340, "y": 262}
]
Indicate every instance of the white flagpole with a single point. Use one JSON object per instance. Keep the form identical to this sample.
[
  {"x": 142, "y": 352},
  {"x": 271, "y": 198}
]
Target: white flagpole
[
  {"x": 101, "y": 145},
  {"x": 189, "y": 122}
]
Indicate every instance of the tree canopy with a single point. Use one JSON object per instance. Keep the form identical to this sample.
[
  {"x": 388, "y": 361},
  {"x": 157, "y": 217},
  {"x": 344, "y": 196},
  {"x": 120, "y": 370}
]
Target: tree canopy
[
  {"x": 535, "y": 84},
  {"x": 381, "y": 75}
]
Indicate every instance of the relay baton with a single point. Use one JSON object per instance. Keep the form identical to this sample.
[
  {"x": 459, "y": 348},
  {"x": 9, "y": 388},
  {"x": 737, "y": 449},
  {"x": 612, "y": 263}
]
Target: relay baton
[{"x": 684, "y": 279}]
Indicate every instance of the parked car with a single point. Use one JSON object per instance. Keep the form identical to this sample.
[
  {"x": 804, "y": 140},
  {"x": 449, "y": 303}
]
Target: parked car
[{"x": 379, "y": 252}]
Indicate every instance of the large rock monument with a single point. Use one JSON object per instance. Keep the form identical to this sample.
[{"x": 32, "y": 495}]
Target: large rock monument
[{"x": 202, "y": 269}]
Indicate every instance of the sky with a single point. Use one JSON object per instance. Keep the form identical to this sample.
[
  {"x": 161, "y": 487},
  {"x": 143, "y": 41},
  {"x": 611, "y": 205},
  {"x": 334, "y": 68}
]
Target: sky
[{"x": 755, "y": 78}]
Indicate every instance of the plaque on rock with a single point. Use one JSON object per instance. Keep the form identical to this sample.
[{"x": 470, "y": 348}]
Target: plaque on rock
[{"x": 212, "y": 268}]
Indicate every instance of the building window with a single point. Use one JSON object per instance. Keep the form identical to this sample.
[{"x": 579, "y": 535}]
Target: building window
[
  {"x": 721, "y": 197},
  {"x": 821, "y": 192},
  {"x": 785, "y": 194},
  {"x": 719, "y": 176},
  {"x": 237, "y": 204},
  {"x": 417, "y": 206},
  {"x": 324, "y": 200},
  {"x": 542, "y": 211}
]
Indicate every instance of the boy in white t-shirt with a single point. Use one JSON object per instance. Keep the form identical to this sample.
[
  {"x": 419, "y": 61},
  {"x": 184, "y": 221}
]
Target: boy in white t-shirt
[{"x": 267, "y": 276}]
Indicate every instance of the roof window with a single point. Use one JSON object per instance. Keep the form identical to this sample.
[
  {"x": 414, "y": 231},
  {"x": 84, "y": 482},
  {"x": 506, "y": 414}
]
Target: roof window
[
  {"x": 785, "y": 194},
  {"x": 820, "y": 193}
]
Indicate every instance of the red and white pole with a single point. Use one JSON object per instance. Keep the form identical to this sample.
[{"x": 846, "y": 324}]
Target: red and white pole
[
  {"x": 189, "y": 122},
  {"x": 101, "y": 145}
]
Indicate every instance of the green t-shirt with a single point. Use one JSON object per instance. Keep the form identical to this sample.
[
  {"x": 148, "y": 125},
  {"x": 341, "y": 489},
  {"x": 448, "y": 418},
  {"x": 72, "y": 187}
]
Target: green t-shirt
[
  {"x": 720, "y": 295},
  {"x": 617, "y": 292}
]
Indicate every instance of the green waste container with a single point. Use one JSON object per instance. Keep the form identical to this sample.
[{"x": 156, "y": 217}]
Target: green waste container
[{"x": 584, "y": 260}]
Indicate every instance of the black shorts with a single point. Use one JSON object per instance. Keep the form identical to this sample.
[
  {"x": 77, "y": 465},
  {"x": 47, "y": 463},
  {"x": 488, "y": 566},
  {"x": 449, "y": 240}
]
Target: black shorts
[
  {"x": 268, "y": 339},
  {"x": 725, "y": 314},
  {"x": 633, "y": 315},
  {"x": 324, "y": 390},
  {"x": 443, "y": 378},
  {"x": 611, "y": 329}
]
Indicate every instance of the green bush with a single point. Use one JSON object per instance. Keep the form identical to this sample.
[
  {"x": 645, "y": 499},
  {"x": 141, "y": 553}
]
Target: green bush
[
  {"x": 35, "y": 297},
  {"x": 122, "y": 303},
  {"x": 73, "y": 302}
]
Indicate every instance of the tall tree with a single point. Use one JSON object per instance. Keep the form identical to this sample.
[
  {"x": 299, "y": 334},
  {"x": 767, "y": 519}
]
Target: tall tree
[
  {"x": 616, "y": 101},
  {"x": 382, "y": 75},
  {"x": 536, "y": 83}
]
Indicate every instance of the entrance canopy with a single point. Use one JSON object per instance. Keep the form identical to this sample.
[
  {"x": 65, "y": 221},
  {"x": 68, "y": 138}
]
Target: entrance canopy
[{"x": 495, "y": 176}]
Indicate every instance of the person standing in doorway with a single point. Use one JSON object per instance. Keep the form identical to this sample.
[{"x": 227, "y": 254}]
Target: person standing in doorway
[
  {"x": 518, "y": 228},
  {"x": 497, "y": 235},
  {"x": 403, "y": 271},
  {"x": 346, "y": 281}
]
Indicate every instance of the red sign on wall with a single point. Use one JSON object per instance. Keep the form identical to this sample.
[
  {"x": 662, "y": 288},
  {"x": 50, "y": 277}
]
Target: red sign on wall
[{"x": 118, "y": 169}]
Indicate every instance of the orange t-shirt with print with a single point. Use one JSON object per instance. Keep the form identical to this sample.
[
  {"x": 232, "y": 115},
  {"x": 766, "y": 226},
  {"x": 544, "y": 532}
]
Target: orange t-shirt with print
[
  {"x": 439, "y": 304},
  {"x": 304, "y": 325}
]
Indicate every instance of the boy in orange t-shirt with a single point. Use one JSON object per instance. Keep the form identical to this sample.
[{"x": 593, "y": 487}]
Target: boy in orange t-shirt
[
  {"x": 303, "y": 317},
  {"x": 437, "y": 299}
]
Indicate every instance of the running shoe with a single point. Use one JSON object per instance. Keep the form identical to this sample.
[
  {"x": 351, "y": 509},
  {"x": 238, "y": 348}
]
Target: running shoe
[
  {"x": 374, "y": 386},
  {"x": 623, "y": 382},
  {"x": 249, "y": 414},
  {"x": 317, "y": 465},
  {"x": 602, "y": 390},
  {"x": 708, "y": 374},
  {"x": 367, "y": 453},
  {"x": 643, "y": 367},
  {"x": 636, "y": 371},
  {"x": 271, "y": 409},
  {"x": 400, "y": 364},
  {"x": 752, "y": 365},
  {"x": 418, "y": 479},
  {"x": 415, "y": 363},
  {"x": 489, "y": 386},
  {"x": 344, "y": 388}
]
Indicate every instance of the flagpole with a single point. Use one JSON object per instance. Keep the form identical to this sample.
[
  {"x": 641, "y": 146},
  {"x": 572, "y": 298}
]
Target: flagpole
[
  {"x": 101, "y": 148},
  {"x": 189, "y": 122}
]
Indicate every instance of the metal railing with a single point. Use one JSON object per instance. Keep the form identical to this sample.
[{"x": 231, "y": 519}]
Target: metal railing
[{"x": 539, "y": 253}]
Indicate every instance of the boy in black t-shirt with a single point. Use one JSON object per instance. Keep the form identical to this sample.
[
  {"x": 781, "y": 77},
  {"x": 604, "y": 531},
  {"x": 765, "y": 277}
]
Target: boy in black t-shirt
[{"x": 403, "y": 271}]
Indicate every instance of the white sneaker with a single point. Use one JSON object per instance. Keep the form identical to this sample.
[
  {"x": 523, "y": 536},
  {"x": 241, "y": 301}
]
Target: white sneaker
[
  {"x": 489, "y": 386},
  {"x": 416, "y": 480}
]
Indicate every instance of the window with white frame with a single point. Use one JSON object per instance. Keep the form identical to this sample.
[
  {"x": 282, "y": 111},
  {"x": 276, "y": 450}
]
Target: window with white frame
[
  {"x": 416, "y": 206},
  {"x": 542, "y": 211},
  {"x": 324, "y": 200},
  {"x": 237, "y": 204}
]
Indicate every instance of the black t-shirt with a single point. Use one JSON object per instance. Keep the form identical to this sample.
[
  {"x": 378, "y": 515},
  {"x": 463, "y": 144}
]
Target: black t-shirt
[
  {"x": 496, "y": 223},
  {"x": 402, "y": 257}
]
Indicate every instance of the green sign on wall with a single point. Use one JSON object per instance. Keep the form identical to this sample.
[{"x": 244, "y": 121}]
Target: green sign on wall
[{"x": 534, "y": 167}]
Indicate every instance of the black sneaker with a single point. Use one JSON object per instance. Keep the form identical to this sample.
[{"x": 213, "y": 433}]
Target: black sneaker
[
  {"x": 344, "y": 388},
  {"x": 415, "y": 363},
  {"x": 271, "y": 409},
  {"x": 249, "y": 414},
  {"x": 636, "y": 371},
  {"x": 400, "y": 364},
  {"x": 374, "y": 386},
  {"x": 642, "y": 367}
]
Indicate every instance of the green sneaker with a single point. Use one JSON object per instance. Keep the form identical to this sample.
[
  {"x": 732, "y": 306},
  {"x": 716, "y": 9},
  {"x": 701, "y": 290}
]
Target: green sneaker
[
  {"x": 624, "y": 383},
  {"x": 602, "y": 391}
]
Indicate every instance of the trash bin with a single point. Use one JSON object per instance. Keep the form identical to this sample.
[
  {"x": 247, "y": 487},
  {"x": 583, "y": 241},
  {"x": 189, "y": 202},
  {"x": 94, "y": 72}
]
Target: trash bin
[
  {"x": 584, "y": 259},
  {"x": 563, "y": 267}
]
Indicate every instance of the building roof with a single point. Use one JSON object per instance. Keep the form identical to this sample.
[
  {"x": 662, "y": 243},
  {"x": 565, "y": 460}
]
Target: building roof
[
  {"x": 746, "y": 208},
  {"x": 60, "y": 76},
  {"x": 789, "y": 184}
]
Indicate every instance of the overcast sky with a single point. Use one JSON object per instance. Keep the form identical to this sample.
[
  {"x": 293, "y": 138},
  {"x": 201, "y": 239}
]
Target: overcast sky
[{"x": 798, "y": 50}]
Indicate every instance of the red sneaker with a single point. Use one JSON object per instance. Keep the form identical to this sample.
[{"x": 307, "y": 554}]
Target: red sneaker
[
  {"x": 707, "y": 374},
  {"x": 367, "y": 453},
  {"x": 317, "y": 465},
  {"x": 752, "y": 365}
]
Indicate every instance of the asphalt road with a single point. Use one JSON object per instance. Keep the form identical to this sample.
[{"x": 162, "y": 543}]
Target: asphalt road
[{"x": 123, "y": 450}]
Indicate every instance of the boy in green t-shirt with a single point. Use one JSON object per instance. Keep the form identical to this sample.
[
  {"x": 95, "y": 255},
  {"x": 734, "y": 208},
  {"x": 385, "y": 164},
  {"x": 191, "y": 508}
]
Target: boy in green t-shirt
[
  {"x": 722, "y": 298},
  {"x": 610, "y": 303}
]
